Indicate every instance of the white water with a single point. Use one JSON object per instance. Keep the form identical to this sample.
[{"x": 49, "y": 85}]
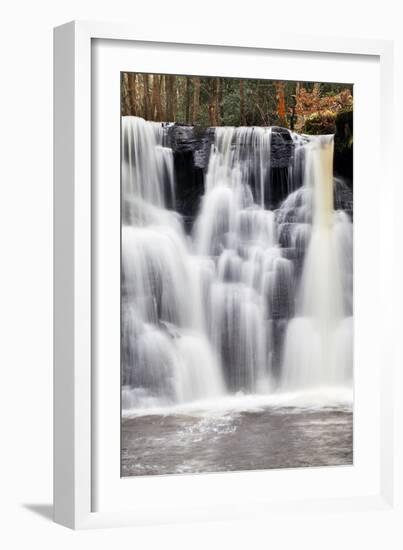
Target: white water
[
  {"x": 255, "y": 301},
  {"x": 318, "y": 343},
  {"x": 167, "y": 357}
]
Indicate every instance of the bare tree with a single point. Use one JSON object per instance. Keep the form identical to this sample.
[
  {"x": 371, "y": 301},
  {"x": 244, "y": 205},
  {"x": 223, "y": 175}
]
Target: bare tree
[
  {"x": 147, "y": 104},
  {"x": 213, "y": 102},
  {"x": 133, "y": 93},
  {"x": 187, "y": 104},
  {"x": 196, "y": 99},
  {"x": 126, "y": 106},
  {"x": 293, "y": 117},
  {"x": 170, "y": 90},
  {"x": 217, "y": 102},
  {"x": 242, "y": 102},
  {"x": 156, "y": 98}
]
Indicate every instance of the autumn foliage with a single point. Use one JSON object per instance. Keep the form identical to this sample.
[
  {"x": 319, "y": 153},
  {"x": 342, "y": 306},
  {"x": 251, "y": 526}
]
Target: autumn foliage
[
  {"x": 307, "y": 107},
  {"x": 312, "y": 107}
]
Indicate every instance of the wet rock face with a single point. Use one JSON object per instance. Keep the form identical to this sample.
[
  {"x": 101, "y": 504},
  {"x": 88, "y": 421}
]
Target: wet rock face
[
  {"x": 282, "y": 147},
  {"x": 343, "y": 196},
  {"x": 191, "y": 139},
  {"x": 189, "y": 186},
  {"x": 184, "y": 139},
  {"x": 191, "y": 146},
  {"x": 191, "y": 149}
]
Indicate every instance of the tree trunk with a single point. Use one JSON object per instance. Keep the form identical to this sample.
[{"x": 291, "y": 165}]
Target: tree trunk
[
  {"x": 281, "y": 110},
  {"x": 213, "y": 103},
  {"x": 187, "y": 105},
  {"x": 126, "y": 106},
  {"x": 147, "y": 106},
  {"x": 168, "y": 91},
  {"x": 242, "y": 103},
  {"x": 170, "y": 87},
  {"x": 196, "y": 100},
  {"x": 133, "y": 93},
  {"x": 156, "y": 98},
  {"x": 221, "y": 101},
  {"x": 217, "y": 102},
  {"x": 293, "y": 118},
  {"x": 163, "y": 95},
  {"x": 174, "y": 98}
]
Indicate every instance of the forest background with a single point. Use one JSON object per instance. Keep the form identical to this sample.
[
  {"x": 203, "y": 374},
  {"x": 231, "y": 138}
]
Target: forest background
[{"x": 304, "y": 107}]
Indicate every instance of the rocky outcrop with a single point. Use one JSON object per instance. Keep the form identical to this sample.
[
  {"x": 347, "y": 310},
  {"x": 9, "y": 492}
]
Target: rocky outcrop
[
  {"x": 343, "y": 146},
  {"x": 282, "y": 147},
  {"x": 191, "y": 146},
  {"x": 191, "y": 139},
  {"x": 185, "y": 139}
]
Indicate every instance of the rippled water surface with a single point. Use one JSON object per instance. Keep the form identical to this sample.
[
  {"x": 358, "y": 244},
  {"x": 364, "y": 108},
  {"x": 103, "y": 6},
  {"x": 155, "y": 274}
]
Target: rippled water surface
[{"x": 195, "y": 442}]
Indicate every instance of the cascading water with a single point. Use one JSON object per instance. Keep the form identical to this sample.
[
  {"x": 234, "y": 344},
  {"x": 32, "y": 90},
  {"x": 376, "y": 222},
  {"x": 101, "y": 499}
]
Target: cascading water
[
  {"x": 166, "y": 354},
  {"x": 258, "y": 299},
  {"x": 318, "y": 342}
]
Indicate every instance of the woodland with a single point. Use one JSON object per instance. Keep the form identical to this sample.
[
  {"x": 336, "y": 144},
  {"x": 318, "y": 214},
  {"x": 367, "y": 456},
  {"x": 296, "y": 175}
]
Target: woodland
[{"x": 304, "y": 107}]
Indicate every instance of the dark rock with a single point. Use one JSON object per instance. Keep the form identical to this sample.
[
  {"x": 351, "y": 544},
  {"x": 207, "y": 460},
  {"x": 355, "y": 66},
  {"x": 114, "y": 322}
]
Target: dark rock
[
  {"x": 192, "y": 145},
  {"x": 343, "y": 146},
  {"x": 343, "y": 196},
  {"x": 282, "y": 147},
  {"x": 189, "y": 186},
  {"x": 184, "y": 139},
  {"x": 279, "y": 328},
  {"x": 280, "y": 186}
]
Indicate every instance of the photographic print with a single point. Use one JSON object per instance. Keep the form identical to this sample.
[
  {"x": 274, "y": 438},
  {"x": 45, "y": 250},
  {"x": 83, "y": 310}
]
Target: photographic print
[{"x": 236, "y": 274}]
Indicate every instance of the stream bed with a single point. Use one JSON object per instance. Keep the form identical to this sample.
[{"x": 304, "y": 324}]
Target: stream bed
[{"x": 159, "y": 444}]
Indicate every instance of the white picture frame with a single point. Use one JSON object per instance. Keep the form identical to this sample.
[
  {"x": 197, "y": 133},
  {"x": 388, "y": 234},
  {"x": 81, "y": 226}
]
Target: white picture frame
[{"x": 78, "y": 435}]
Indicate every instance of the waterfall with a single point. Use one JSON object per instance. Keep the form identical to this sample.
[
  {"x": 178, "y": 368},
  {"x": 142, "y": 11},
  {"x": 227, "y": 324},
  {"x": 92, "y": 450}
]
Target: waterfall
[
  {"x": 258, "y": 298},
  {"x": 166, "y": 354},
  {"x": 147, "y": 166},
  {"x": 318, "y": 343}
]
